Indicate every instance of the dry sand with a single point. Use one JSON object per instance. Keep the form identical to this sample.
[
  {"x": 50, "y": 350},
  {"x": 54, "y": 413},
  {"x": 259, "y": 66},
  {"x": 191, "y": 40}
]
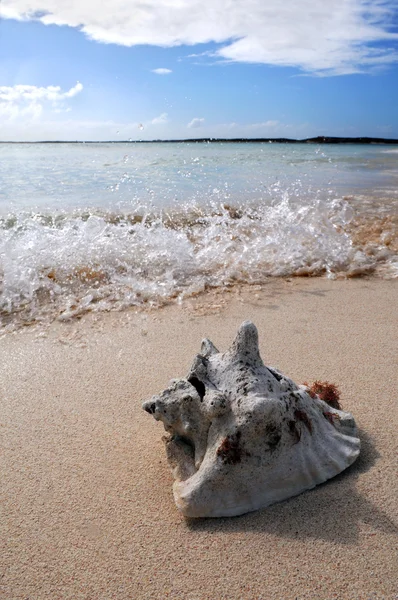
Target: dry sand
[{"x": 86, "y": 502}]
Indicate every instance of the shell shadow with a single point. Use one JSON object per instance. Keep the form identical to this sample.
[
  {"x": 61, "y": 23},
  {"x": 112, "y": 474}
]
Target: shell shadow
[{"x": 332, "y": 511}]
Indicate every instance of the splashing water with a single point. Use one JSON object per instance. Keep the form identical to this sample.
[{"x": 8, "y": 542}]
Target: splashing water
[{"x": 68, "y": 265}]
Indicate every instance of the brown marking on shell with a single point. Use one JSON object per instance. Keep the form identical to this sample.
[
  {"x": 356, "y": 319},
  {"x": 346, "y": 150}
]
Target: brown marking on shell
[
  {"x": 230, "y": 451},
  {"x": 294, "y": 431},
  {"x": 273, "y": 432},
  {"x": 303, "y": 417},
  {"x": 331, "y": 417}
]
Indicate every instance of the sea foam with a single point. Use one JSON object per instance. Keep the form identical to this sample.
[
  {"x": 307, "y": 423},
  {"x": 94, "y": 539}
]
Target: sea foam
[{"x": 63, "y": 264}]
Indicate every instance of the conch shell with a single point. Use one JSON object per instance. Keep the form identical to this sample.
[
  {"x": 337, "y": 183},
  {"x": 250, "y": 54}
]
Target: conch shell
[{"x": 243, "y": 435}]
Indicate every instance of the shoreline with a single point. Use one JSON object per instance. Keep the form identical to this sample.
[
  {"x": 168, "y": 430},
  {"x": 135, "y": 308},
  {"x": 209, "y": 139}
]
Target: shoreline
[
  {"x": 211, "y": 299},
  {"x": 86, "y": 491}
]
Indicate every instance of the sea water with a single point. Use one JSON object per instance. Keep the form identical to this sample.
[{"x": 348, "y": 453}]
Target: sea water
[{"x": 103, "y": 226}]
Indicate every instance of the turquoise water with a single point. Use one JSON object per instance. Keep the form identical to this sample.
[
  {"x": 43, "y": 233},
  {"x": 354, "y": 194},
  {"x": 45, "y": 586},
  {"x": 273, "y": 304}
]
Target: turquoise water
[{"x": 103, "y": 226}]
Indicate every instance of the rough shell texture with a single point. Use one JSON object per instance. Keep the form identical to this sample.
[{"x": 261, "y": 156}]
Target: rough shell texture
[{"x": 244, "y": 436}]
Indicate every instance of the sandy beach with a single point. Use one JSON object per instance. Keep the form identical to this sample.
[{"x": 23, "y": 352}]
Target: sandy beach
[{"x": 86, "y": 506}]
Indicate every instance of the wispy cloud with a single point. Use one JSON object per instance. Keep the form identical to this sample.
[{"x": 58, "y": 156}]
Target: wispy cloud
[
  {"x": 270, "y": 128},
  {"x": 43, "y": 127},
  {"x": 324, "y": 38},
  {"x": 70, "y": 130},
  {"x": 162, "y": 71},
  {"x": 266, "y": 125},
  {"x": 160, "y": 120},
  {"x": 29, "y": 101},
  {"x": 32, "y": 122},
  {"x": 196, "y": 122}
]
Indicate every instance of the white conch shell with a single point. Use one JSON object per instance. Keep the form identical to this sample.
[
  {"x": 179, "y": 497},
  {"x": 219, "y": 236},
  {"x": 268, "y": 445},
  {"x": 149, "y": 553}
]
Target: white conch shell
[{"x": 244, "y": 436}]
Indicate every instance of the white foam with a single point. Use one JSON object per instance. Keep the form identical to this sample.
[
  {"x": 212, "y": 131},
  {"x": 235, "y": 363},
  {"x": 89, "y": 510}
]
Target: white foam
[{"x": 76, "y": 263}]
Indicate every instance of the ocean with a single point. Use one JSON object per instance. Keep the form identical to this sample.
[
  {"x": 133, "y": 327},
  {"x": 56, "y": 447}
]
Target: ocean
[{"x": 105, "y": 226}]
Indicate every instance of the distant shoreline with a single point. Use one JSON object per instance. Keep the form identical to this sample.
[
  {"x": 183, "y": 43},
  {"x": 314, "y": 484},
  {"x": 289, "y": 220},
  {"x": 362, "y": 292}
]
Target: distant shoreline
[{"x": 314, "y": 140}]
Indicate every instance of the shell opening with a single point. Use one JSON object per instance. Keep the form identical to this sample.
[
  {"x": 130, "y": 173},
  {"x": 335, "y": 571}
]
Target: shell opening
[{"x": 199, "y": 386}]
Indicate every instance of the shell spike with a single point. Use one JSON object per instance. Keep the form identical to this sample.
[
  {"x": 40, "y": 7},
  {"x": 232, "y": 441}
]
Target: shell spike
[
  {"x": 246, "y": 343},
  {"x": 208, "y": 348}
]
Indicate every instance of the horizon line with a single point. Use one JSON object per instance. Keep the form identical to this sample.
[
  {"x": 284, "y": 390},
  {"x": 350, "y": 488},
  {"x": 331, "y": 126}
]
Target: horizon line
[{"x": 317, "y": 139}]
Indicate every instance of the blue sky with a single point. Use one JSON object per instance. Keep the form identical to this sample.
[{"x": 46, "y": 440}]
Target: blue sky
[{"x": 167, "y": 69}]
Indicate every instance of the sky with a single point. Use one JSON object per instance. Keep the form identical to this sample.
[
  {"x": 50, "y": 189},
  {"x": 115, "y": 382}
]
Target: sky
[{"x": 178, "y": 69}]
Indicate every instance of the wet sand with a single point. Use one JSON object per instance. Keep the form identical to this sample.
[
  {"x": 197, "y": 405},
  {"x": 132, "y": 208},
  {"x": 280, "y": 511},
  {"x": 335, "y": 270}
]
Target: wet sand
[{"x": 86, "y": 506}]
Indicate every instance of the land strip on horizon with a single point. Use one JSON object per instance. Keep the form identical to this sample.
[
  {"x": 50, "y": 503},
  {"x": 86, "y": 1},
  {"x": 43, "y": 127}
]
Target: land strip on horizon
[{"x": 314, "y": 140}]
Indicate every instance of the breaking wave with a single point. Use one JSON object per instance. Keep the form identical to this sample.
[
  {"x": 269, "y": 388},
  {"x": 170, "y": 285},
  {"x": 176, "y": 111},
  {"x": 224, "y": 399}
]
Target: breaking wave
[{"x": 61, "y": 265}]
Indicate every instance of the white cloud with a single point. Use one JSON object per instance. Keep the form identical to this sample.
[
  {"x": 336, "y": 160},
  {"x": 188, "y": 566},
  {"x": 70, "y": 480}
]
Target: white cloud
[
  {"x": 196, "y": 122},
  {"x": 32, "y": 93},
  {"x": 327, "y": 38},
  {"x": 27, "y": 102},
  {"x": 162, "y": 71},
  {"x": 10, "y": 111},
  {"x": 160, "y": 120}
]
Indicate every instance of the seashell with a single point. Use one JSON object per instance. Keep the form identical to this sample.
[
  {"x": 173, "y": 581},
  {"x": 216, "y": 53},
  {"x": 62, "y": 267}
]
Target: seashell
[{"x": 243, "y": 435}]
